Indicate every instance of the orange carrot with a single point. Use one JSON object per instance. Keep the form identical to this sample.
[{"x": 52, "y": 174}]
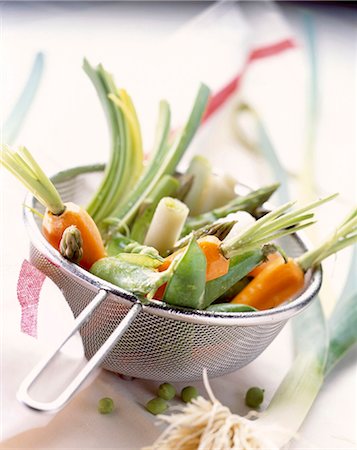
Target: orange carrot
[
  {"x": 217, "y": 264},
  {"x": 53, "y": 227},
  {"x": 271, "y": 257},
  {"x": 58, "y": 215},
  {"x": 276, "y": 283}
]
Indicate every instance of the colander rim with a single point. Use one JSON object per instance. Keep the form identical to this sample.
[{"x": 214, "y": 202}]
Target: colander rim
[{"x": 280, "y": 313}]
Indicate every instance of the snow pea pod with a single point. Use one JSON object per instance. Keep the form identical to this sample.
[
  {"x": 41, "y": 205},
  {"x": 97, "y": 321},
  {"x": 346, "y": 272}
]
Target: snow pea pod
[
  {"x": 117, "y": 244},
  {"x": 230, "y": 293},
  {"x": 131, "y": 277},
  {"x": 230, "y": 307},
  {"x": 186, "y": 287},
  {"x": 239, "y": 267}
]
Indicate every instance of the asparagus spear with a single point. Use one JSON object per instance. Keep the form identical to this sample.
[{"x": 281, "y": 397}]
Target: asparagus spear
[
  {"x": 220, "y": 229},
  {"x": 247, "y": 203}
]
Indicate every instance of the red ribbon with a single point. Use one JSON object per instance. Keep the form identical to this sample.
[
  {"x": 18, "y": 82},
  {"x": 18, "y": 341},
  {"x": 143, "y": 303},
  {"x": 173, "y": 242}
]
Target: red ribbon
[{"x": 220, "y": 97}]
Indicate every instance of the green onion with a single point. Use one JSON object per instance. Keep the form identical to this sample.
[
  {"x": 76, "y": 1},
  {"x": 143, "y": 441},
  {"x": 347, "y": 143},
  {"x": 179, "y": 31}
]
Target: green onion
[
  {"x": 25, "y": 168},
  {"x": 274, "y": 225}
]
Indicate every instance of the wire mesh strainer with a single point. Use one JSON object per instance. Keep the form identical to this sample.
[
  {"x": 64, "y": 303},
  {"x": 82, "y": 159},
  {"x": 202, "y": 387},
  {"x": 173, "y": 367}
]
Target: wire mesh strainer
[{"x": 153, "y": 341}]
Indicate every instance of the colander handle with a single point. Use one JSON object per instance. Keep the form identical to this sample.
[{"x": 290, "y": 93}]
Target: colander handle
[{"x": 23, "y": 392}]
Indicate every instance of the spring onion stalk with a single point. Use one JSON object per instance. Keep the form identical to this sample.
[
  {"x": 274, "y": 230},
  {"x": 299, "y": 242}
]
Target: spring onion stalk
[
  {"x": 16, "y": 118},
  {"x": 123, "y": 101},
  {"x": 166, "y": 225},
  {"x": 149, "y": 179},
  {"x": 165, "y": 158},
  {"x": 243, "y": 219},
  {"x": 25, "y": 168},
  {"x": 126, "y": 157},
  {"x": 274, "y": 225},
  {"x": 166, "y": 187},
  {"x": 343, "y": 236}
]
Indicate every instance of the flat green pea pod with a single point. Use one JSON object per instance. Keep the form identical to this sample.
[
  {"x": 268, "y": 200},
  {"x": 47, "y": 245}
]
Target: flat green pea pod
[
  {"x": 135, "y": 278},
  {"x": 116, "y": 244},
  {"x": 230, "y": 307},
  {"x": 120, "y": 244},
  {"x": 234, "y": 290},
  {"x": 187, "y": 285},
  {"x": 239, "y": 267},
  {"x": 141, "y": 259}
]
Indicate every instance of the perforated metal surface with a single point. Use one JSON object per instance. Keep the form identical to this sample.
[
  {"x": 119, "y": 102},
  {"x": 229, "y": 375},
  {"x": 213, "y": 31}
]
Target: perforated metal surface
[{"x": 160, "y": 345}]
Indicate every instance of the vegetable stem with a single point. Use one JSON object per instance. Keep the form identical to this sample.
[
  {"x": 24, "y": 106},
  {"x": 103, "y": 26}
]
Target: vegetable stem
[
  {"x": 25, "y": 168},
  {"x": 344, "y": 235},
  {"x": 126, "y": 155},
  {"x": 165, "y": 158},
  {"x": 274, "y": 225}
]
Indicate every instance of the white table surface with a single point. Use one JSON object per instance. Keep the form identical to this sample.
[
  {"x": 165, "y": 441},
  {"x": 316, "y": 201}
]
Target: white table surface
[{"x": 65, "y": 128}]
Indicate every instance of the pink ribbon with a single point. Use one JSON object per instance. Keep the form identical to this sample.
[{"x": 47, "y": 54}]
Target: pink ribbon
[{"x": 28, "y": 293}]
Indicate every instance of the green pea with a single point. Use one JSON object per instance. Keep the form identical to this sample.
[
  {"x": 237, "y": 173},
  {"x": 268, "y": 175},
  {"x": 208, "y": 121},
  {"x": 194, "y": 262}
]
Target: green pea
[
  {"x": 254, "y": 397},
  {"x": 166, "y": 391},
  {"x": 105, "y": 405},
  {"x": 156, "y": 406},
  {"x": 188, "y": 393}
]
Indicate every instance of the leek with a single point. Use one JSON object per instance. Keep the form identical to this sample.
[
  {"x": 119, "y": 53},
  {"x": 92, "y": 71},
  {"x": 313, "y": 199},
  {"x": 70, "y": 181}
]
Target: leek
[
  {"x": 201, "y": 170},
  {"x": 126, "y": 157},
  {"x": 165, "y": 158},
  {"x": 320, "y": 345},
  {"x": 16, "y": 118},
  {"x": 272, "y": 226},
  {"x": 166, "y": 224},
  {"x": 166, "y": 187}
]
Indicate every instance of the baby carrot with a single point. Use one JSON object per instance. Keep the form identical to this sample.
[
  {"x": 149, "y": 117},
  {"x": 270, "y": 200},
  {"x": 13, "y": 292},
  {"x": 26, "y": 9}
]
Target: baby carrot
[
  {"x": 278, "y": 281},
  {"x": 217, "y": 264},
  {"x": 54, "y": 225},
  {"x": 271, "y": 257},
  {"x": 275, "y": 283},
  {"x": 58, "y": 215},
  {"x": 272, "y": 226}
]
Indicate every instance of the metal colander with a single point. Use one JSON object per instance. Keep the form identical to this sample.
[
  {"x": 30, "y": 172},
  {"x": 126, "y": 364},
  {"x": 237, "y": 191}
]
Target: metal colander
[{"x": 125, "y": 334}]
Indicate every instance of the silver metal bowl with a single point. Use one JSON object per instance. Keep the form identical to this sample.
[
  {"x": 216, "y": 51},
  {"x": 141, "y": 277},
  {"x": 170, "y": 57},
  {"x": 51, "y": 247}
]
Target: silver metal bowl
[{"x": 151, "y": 340}]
